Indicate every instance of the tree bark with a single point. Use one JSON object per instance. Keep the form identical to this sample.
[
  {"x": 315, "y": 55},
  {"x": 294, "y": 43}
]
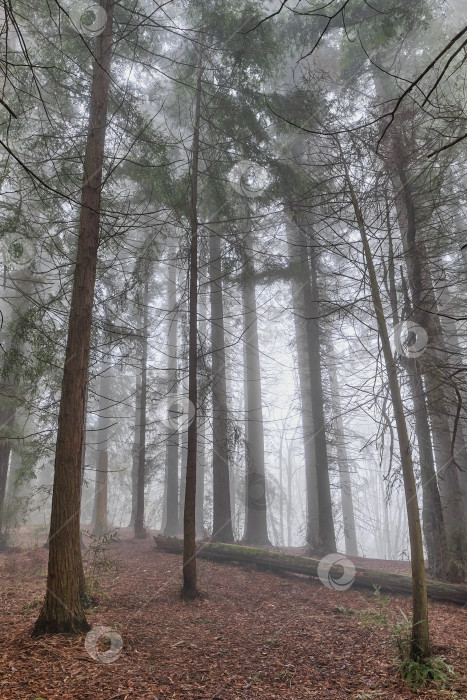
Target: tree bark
[
  {"x": 7, "y": 421},
  {"x": 256, "y": 531},
  {"x": 105, "y": 384},
  {"x": 420, "y": 643},
  {"x": 298, "y": 260},
  {"x": 432, "y": 514},
  {"x": 173, "y": 438},
  {"x": 327, "y": 538},
  {"x": 140, "y": 530},
  {"x": 135, "y": 451},
  {"x": 200, "y": 471},
  {"x": 222, "y": 517},
  {"x": 189, "y": 589},
  {"x": 451, "y": 308},
  {"x": 348, "y": 517},
  {"x": 62, "y": 610},
  {"x": 439, "y": 396}
]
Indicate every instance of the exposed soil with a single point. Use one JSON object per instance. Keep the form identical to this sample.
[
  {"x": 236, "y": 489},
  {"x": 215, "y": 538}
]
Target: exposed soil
[{"x": 253, "y": 635}]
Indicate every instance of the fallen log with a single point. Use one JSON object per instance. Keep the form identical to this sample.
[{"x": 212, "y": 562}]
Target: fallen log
[{"x": 279, "y": 562}]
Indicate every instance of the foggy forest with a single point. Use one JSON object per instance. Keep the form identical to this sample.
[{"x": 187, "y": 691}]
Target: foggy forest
[{"x": 233, "y": 335}]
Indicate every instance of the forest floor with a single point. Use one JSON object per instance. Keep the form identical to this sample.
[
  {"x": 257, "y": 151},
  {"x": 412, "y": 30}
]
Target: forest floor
[{"x": 253, "y": 635}]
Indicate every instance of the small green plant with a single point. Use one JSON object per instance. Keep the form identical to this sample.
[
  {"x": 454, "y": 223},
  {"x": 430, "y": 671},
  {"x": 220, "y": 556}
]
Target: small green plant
[
  {"x": 402, "y": 636},
  {"x": 342, "y": 610},
  {"x": 433, "y": 671},
  {"x": 378, "y": 611},
  {"x": 35, "y": 603},
  {"x": 382, "y": 604},
  {"x": 423, "y": 673},
  {"x": 98, "y": 561}
]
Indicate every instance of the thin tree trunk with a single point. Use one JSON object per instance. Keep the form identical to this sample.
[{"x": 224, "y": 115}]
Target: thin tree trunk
[
  {"x": 281, "y": 488},
  {"x": 450, "y": 309},
  {"x": 183, "y": 461},
  {"x": 7, "y": 421},
  {"x": 202, "y": 419},
  {"x": 348, "y": 517},
  {"x": 256, "y": 531},
  {"x": 432, "y": 514},
  {"x": 420, "y": 643},
  {"x": 300, "y": 277},
  {"x": 439, "y": 395},
  {"x": 135, "y": 451},
  {"x": 172, "y": 446},
  {"x": 190, "y": 590},
  {"x": 62, "y": 610},
  {"x": 140, "y": 530},
  {"x": 222, "y": 515},
  {"x": 100, "y": 522},
  {"x": 327, "y": 538},
  {"x": 289, "y": 497},
  {"x": 200, "y": 473}
]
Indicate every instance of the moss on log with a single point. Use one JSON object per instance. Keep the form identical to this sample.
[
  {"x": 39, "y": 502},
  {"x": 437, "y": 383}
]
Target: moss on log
[{"x": 279, "y": 562}]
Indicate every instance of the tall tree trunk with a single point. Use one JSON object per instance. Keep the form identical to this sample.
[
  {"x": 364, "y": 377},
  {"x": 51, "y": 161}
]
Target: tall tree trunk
[
  {"x": 256, "y": 531},
  {"x": 348, "y": 517},
  {"x": 327, "y": 538},
  {"x": 432, "y": 514},
  {"x": 438, "y": 394},
  {"x": 202, "y": 419},
  {"x": 182, "y": 489},
  {"x": 140, "y": 530},
  {"x": 172, "y": 445},
  {"x": 300, "y": 277},
  {"x": 135, "y": 451},
  {"x": 420, "y": 643},
  {"x": 281, "y": 488},
  {"x": 62, "y": 610},
  {"x": 105, "y": 388},
  {"x": 190, "y": 590},
  {"x": 200, "y": 472},
  {"x": 289, "y": 496},
  {"x": 7, "y": 421},
  {"x": 450, "y": 309},
  {"x": 222, "y": 516}
]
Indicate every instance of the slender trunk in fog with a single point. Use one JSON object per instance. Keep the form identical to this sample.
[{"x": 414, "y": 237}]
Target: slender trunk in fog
[
  {"x": 190, "y": 589},
  {"x": 222, "y": 516},
  {"x": 348, "y": 517},
  {"x": 256, "y": 531},
  {"x": 62, "y": 611},
  {"x": 105, "y": 419},
  {"x": 298, "y": 260},
  {"x": 303, "y": 240},
  {"x": 420, "y": 642},
  {"x": 135, "y": 450},
  {"x": 140, "y": 530},
  {"x": 172, "y": 445}
]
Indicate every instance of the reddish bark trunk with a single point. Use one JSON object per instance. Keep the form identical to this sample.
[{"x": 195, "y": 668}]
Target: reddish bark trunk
[{"x": 62, "y": 610}]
